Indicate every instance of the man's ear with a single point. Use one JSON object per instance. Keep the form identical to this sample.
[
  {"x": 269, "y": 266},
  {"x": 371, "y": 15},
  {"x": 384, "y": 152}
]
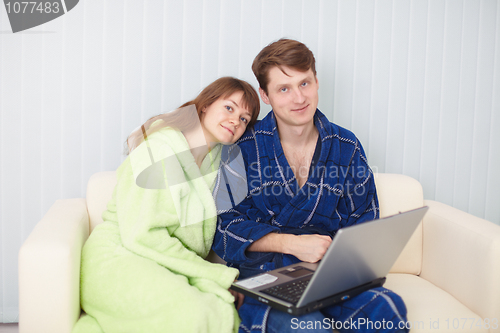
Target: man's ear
[{"x": 264, "y": 97}]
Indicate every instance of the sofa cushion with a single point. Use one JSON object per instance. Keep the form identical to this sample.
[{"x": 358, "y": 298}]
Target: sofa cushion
[{"x": 432, "y": 309}]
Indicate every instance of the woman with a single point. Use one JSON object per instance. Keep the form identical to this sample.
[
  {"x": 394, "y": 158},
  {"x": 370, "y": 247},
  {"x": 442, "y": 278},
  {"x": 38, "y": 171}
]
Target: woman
[{"x": 143, "y": 268}]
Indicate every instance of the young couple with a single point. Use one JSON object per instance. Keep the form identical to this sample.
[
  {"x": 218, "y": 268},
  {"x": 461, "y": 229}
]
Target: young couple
[{"x": 143, "y": 268}]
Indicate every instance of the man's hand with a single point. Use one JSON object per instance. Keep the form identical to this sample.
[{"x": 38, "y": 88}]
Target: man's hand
[{"x": 308, "y": 248}]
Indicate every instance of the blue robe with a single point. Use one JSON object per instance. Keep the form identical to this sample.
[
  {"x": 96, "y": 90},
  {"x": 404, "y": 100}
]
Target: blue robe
[{"x": 340, "y": 191}]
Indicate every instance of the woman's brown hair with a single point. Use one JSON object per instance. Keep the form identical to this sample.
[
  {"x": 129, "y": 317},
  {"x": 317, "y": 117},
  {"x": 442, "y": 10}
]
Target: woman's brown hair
[{"x": 185, "y": 116}]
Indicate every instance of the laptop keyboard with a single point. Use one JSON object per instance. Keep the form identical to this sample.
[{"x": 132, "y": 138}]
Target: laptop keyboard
[{"x": 290, "y": 291}]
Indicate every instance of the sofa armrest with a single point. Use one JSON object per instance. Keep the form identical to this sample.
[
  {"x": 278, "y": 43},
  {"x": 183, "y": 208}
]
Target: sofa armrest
[
  {"x": 49, "y": 269},
  {"x": 461, "y": 255}
]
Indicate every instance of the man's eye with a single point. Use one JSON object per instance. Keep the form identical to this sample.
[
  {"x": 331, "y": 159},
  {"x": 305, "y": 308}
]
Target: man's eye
[
  {"x": 245, "y": 120},
  {"x": 304, "y": 84},
  {"x": 284, "y": 89}
]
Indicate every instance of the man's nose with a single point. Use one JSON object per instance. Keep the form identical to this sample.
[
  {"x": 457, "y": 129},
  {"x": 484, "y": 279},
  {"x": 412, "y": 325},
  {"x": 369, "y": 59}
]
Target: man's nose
[{"x": 298, "y": 96}]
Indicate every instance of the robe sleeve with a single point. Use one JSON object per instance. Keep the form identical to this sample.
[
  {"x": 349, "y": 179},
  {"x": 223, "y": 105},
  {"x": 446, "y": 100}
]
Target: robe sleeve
[
  {"x": 237, "y": 230},
  {"x": 359, "y": 201},
  {"x": 239, "y": 221}
]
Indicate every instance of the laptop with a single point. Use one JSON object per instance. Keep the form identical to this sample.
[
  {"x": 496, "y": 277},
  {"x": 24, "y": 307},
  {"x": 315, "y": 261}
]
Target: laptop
[{"x": 358, "y": 259}]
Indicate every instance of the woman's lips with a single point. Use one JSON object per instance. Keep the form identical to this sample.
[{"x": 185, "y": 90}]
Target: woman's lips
[{"x": 228, "y": 130}]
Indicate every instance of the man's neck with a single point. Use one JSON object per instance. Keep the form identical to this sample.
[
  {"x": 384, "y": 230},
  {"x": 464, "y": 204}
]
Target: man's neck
[{"x": 297, "y": 136}]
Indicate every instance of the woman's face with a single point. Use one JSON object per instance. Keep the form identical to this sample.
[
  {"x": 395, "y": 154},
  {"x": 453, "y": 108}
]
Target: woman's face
[{"x": 225, "y": 120}]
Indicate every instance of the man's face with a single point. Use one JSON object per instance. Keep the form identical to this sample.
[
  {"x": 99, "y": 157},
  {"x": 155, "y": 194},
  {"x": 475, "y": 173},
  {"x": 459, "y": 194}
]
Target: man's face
[{"x": 293, "y": 96}]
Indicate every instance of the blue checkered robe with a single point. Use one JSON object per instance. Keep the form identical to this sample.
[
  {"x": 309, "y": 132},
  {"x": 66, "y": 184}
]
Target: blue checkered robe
[{"x": 339, "y": 192}]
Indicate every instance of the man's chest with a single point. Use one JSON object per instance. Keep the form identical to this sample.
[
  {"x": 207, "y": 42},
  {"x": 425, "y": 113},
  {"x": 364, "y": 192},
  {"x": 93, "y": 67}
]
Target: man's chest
[{"x": 300, "y": 163}]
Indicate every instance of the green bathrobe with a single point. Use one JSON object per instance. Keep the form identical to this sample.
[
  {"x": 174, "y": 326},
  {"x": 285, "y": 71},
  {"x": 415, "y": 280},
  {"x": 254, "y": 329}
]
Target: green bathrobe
[{"x": 143, "y": 268}]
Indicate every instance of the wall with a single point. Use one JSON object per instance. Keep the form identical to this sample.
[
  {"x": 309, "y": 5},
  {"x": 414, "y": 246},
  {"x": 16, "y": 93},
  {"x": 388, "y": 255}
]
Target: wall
[{"x": 418, "y": 82}]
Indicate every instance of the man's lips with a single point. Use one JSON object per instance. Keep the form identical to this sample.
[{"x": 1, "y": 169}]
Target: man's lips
[
  {"x": 228, "y": 129},
  {"x": 301, "y": 109}
]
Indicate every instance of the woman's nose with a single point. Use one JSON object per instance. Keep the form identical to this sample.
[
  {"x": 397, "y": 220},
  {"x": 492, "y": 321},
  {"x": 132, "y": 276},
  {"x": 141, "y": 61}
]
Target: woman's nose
[{"x": 234, "y": 120}]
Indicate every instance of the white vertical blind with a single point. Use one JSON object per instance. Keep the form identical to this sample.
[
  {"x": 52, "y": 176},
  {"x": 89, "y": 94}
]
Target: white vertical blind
[{"x": 417, "y": 81}]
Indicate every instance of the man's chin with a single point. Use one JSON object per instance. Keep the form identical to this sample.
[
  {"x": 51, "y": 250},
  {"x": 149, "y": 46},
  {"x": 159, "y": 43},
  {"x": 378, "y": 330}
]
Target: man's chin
[{"x": 300, "y": 119}]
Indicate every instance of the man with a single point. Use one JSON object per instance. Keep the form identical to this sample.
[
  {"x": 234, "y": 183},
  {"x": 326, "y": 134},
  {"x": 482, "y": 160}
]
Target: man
[{"x": 306, "y": 178}]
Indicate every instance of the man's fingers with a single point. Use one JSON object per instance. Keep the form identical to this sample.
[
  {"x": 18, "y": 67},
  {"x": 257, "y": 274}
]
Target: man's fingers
[{"x": 312, "y": 248}]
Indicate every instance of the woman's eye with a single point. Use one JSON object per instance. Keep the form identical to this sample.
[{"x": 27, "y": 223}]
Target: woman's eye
[
  {"x": 245, "y": 120},
  {"x": 228, "y": 108}
]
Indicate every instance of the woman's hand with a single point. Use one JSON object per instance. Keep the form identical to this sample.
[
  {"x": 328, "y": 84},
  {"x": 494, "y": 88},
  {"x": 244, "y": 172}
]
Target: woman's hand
[{"x": 238, "y": 298}]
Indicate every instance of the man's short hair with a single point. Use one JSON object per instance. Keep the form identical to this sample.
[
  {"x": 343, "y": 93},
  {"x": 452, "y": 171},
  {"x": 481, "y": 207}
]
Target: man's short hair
[{"x": 284, "y": 52}]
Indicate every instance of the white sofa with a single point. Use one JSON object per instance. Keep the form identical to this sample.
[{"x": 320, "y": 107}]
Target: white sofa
[{"x": 448, "y": 274}]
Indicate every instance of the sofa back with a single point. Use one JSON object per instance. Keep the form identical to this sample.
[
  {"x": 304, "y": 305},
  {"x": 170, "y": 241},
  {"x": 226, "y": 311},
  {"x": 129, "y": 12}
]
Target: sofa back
[
  {"x": 99, "y": 191},
  {"x": 396, "y": 193}
]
